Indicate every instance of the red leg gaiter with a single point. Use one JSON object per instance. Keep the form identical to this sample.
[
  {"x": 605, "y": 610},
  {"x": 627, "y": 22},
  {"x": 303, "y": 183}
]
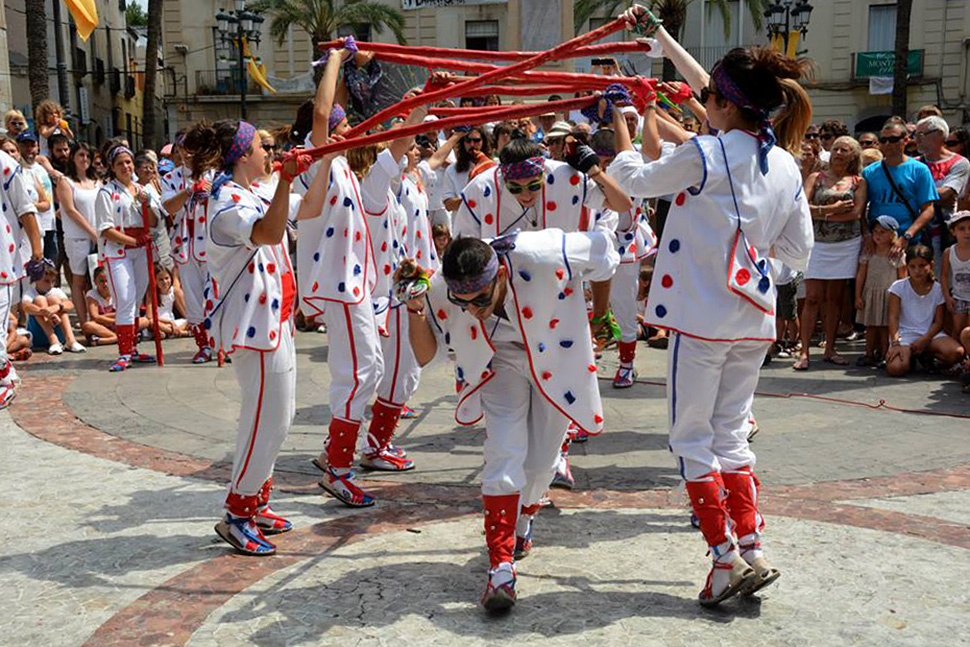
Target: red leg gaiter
[
  {"x": 126, "y": 338},
  {"x": 742, "y": 503},
  {"x": 707, "y": 501},
  {"x": 241, "y": 505},
  {"x": 628, "y": 351},
  {"x": 262, "y": 497},
  {"x": 500, "y": 518},
  {"x": 383, "y": 424},
  {"x": 342, "y": 442},
  {"x": 201, "y": 336},
  {"x": 530, "y": 509}
]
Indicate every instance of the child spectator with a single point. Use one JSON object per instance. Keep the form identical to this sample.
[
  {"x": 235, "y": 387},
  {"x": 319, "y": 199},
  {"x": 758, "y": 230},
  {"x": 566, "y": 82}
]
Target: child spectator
[
  {"x": 877, "y": 272},
  {"x": 786, "y": 309},
  {"x": 49, "y": 306},
  {"x": 441, "y": 236},
  {"x": 956, "y": 282},
  {"x": 168, "y": 324},
  {"x": 916, "y": 317},
  {"x": 100, "y": 326}
]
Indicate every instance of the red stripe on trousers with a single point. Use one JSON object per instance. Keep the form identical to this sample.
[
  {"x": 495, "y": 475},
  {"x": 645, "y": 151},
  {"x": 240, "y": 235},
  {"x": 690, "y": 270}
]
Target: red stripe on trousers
[
  {"x": 353, "y": 357},
  {"x": 259, "y": 409},
  {"x": 397, "y": 352}
]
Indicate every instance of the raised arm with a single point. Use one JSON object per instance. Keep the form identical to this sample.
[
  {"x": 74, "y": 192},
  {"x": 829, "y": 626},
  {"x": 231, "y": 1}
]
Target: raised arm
[{"x": 323, "y": 102}]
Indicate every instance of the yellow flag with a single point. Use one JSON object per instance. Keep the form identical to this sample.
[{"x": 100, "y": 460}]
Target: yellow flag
[
  {"x": 793, "y": 38},
  {"x": 85, "y": 14},
  {"x": 256, "y": 69}
]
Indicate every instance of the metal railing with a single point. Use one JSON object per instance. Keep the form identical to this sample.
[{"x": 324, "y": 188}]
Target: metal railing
[{"x": 223, "y": 83}]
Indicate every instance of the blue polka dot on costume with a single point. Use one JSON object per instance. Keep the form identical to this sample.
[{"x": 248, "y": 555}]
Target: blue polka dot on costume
[
  {"x": 329, "y": 234},
  {"x": 261, "y": 267},
  {"x": 661, "y": 311},
  {"x": 316, "y": 255},
  {"x": 570, "y": 398},
  {"x": 550, "y": 179},
  {"x": 251, "y": 332},
  {"x": 341, "y": 287},
  {"x": 348, "y": 202},
  {"x": 356, "y": 270},
  {"x": 629, "y": 237},
  {"x": 246, "y": 297},
  {"x": 575, "y": 199},
  {"x": 208, "y": 324},
  {"x": 395, "y": 244},
  {"x": 525, "y": 275},
  {"x": 448, "y": 338},
  {"x": 674, "y": 246},
  {"x": 276, "y": 304},
  {"x": 417, "y": 212},
  {"x": 460, "y": 373},
  {"x": 764, "y": 284},
  {"x": 566, "y": 343},
  {"x": 562, "y": 295},
  {"x": 622, "y": 249},
  {"x": 598, "y": 216},
  {"x": 542, "y": 347},
  {"x": 487, "y": 192},
  {"x": 385, "y": 223}
]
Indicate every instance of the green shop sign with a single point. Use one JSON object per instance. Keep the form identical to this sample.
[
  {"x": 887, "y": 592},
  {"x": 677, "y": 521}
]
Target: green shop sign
[{"x": 881, "y": 63}]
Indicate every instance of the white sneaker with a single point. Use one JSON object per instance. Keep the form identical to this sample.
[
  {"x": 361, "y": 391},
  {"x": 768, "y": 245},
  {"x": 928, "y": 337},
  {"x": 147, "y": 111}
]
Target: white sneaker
[
  {"x": 76, "y": 347},
  {"x": 13, "y": 376},
  {"x": 55, "y": 349}
]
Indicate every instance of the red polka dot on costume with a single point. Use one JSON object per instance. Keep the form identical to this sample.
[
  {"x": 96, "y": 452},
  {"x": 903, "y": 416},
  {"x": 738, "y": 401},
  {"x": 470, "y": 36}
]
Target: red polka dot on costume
[
  {"x": 252, "y": 268},
  {"x": 667, "y": 281},
  {"x": 442, "y": 314},
  {"x": 591, "y": 368},
  {"x": 236, "y": 197},
  {"x": 345, "y": 233},
  {"x": 418, "y": 255},
  {"x": 527, "y": 312},
  {"x": 484, "y": 374},
  {"x": 201, "y": 219},
  {"x": 356, "y": 292},
  {"x": 680, "y": 199},
  {"x": 384, "y": 246},
  {"x": 333, "y": 201},
  {"x": 387, "y": 269},
  {"x": 742, "y": 276},
  {"x": 316, "y": 286},
  {"x": 12, "y": 248},
  {"x": 598, "y": 419},
  {"x": 472, "y": 204},
  {"x": 546, "y": 375},
  {"x": 567, "y": 291},
  {"x": 357, "y": 236},
  {"x": 272, "y": 335},
  {"x": 553, "y": 323},
  {"x": 574, "y": 180},
  {"x": 271, "y": 268},
  {"x": 474, "y": 332},
  {"x": 551, "y": 206},
  {"x": 262, "y": 298},
  {"x": 560, "y": 273},
  {"x": 489, "y": 218},
  {"x": 417, "y": 234}
]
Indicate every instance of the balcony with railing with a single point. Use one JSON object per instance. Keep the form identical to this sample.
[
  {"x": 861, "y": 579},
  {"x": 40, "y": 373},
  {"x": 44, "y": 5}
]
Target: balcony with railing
[{"x": 215, "y": 83}]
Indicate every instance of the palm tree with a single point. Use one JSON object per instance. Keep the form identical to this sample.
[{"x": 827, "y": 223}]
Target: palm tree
[
  {"x": 37, "y": 51},
  {"x": 151, "y": 68},
  {"x": 904, "y": 9},
  {"x": 673, "y": 13},
  {"x": 321, "y": 19}
]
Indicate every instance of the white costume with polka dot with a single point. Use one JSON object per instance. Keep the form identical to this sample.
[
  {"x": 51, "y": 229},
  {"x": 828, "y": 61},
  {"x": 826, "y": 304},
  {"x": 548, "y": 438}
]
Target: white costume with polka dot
[
  {"x": 189, "y": 240},
  {"x": 715, "y": 357},
  {"x": 16, "y": 204},
  {"x": 337, "y": 279},
  {"x": 488, "y": 209},
  {"x": 115, "y": 208},
  {"x": 635, "y": 241},
  {"x": 248, "y": 313},
  {"x": 534, "y": 373}
]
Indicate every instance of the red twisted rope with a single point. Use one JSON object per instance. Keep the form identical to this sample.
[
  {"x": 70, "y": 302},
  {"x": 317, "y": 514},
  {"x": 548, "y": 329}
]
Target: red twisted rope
[{"x": 474, "y": 54}]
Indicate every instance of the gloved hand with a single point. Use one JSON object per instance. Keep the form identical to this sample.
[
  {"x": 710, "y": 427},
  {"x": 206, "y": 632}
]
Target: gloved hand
[
  {"x": 201, "y": 189},
  {"x": 580, "y": 156}
]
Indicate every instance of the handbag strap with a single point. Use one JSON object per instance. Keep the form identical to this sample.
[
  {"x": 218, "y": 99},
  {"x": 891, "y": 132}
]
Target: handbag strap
[
  {"x": 899, "y": 194},
  {"x": 727, "y": 168}
]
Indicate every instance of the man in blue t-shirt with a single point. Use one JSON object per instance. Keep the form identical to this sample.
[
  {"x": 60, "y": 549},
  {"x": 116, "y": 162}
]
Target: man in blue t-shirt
[{"x": 913, "y": 180}]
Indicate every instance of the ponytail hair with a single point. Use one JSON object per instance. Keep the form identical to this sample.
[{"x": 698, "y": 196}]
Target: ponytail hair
[{"x": 208, "y": 144}]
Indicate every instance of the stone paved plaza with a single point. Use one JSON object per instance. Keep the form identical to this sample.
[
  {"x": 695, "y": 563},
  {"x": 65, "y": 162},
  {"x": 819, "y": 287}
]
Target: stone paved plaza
[{"x": 117, "y": 480}]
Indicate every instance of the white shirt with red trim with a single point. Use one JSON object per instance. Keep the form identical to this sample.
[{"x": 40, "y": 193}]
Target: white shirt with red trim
[
  {"x": 488, "y": 209},
  {"x": 418, "y": 243},
  {"x": 689, "y": 292},
  {"x": 635, "y": 239},
  {"x": 116, "y": 208},
  {"x": 336, "y": 262},
  {"x": 188, "y": 232},
  {"x": 14, "y": 244},
  {"x": 244, "y": 298},
  {"x": 546, "y": 308}
]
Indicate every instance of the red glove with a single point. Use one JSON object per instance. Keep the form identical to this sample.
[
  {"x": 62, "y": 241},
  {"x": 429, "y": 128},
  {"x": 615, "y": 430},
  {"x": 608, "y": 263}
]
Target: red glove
[
  {"x": 683, "y": 94},
  {"x": 142, "y": 237},
  {"x": 302, "y": 161},
  {"x": 201, "y": 189},
  {"x": 435, "y": 82},
  {"x": 642, "y": 92}
]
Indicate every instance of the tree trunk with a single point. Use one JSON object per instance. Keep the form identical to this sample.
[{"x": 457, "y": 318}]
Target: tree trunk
[
  {"x": 37, "y": 51},
  {"x": 904, "y": 9},
  {"x": 151, "y": 69}
]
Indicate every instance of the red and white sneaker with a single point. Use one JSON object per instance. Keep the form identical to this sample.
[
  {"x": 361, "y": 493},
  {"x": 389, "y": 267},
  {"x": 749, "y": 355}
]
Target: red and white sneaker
[
  {"x": 121, "y": 364},
  {"x": 384, "y": 461},
  {"x": 142, "y": 358},
  {"x": 625, "y": 377},
  {"x": 407, "y": 413},
  {"x": 563, "y": 478},
  {"x": 244, "y": 535},
  {"x": 500, "y": 590},
  {"x": 270, "y": 522},
  {"x": 202, "y": 356},
  {"x": 725, "y": 580},
  {"x": 342, "y": 487},
  {"x": 7, "y": 394}
]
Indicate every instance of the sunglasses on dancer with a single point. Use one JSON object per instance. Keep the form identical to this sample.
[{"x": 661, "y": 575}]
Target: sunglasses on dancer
[
  {"x": 481, "y": 301},
  {"x": 706, "y": 93},
  {"x": 532, "y": 187}
]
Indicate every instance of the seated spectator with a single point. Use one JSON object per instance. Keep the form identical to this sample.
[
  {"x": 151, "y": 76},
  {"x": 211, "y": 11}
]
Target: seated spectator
[
  {"x": 100, "y": 326},
  {"x": 19, "y": 342},
  {"x": 442, "y": 237},
  {"x": 169, "y": 324},
  {"x": 955, "y": 278},
  {"x": 916, "y": 318},
  {"x": 50, "y": 306}
]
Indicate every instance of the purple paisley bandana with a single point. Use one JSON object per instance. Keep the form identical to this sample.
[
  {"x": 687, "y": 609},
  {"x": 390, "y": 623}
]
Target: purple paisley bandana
[
  {"x": 500, "y": 247},
  {"x": 521, "y": 170},
  {"x": 337, "y": 114},
  {"x": 245, "y": 134},
  {"x": 116, "y": 151},
  {"x": 728, "y": 89}
]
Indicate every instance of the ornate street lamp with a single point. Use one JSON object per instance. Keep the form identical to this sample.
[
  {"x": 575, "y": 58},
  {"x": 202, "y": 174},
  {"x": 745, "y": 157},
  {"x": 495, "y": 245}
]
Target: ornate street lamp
[
  {"x": 234, "y": 27},
  {"x": 785, "y": 16}
]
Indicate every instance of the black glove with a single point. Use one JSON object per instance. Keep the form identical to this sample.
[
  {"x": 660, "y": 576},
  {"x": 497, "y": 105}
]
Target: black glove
[
  {"x": 35, "y": 269},
  {"x": 581, "y": 157}
]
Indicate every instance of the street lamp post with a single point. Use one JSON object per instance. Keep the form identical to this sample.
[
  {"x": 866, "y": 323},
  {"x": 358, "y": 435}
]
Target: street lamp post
[
  {"x": 236, "y": 27},
  {"x": 786, "y": 16}
]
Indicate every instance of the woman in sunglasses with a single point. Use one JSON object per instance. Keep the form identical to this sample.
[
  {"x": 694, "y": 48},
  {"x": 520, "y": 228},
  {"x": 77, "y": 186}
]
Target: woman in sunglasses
[
  {"x": 739, "y": 198},
  {"x": 466, "y": 155},
  {"x": 513, "y": 312}
]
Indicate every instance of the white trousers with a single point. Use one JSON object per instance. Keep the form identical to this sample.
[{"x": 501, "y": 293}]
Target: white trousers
[
  {"x": 710, "y": 390},
  {"x": 268, "y": 384},
  {"x": 128, "y": 281},
  {"x": 192, "y": 276},
  {"x": 354, "y": 357},
  {"x": 523, "y": 430},
  {"x": 6, "y": 298},
  {"x": 623, "y": 299},
  {"x": 401, "y": 370}
]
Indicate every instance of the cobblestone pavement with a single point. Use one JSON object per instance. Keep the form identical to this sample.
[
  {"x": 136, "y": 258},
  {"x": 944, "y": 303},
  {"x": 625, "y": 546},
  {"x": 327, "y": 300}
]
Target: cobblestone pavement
[{"x": 119, "y": 480}]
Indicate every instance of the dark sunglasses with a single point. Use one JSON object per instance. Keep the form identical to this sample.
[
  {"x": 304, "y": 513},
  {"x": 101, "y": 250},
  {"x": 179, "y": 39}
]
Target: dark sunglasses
[
  {"x": 826, "y": 136},
  {"x": 891, "y": 139},
  {"x": 952, "y": 142},
  {"x": 481, "y": 301},
  {"x": 473, "y": 140},
  {"x": 270, "y": 148},
  {"x": 516, "y": 189},
  {"x": 706, "y": 93},
  {"x": 811, "y": 135},
  {"x": 926, "y": 132}
]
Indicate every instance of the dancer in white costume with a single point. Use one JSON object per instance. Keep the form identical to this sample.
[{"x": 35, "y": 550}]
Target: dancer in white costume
[
  {"x": 738, "y": 200},
  {"x": 524, "y": 360},
  {"x": 253, "y": 290}
]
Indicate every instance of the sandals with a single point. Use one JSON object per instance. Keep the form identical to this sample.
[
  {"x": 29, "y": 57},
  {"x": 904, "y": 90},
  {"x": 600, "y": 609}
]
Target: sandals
[
  {"x": 764, "y": 574},
  {"x": 801, "y": 364},
  {"x": 836, "y": 359},
  {"x": 741, "y": 580},
  {"x": 245, "y": 536},
  {"x": 343, "y": 488}
]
